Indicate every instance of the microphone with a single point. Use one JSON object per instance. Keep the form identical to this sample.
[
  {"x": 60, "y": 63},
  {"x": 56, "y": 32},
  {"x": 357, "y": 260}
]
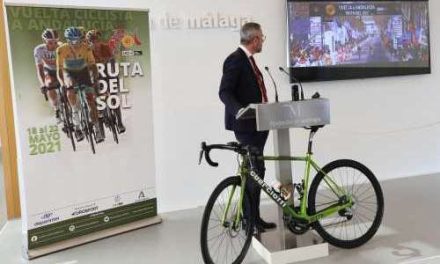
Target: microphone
[
  {"x": 294, "y": 86},
  {"x": 295, "y": 95},
  {"x": 283, "y": 70},
  {"x": 274, "y": 84}
]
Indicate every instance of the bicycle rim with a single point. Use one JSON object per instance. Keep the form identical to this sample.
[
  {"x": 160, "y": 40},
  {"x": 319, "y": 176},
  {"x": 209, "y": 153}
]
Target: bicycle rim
[
  {"x": 353, "y": 226},
  {"x": 67, "y": 116},
  {"x": 113, "y": 126},
  {"x": 69, "y": 127},
  {"x": 88, "y": 129},
  {"x": 224, "y": 241}
]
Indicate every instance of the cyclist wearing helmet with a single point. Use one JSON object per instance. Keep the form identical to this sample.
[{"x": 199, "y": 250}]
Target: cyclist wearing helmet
[
  {"x": 45, "y": 62},
  {"x": 75, "y": 61},
  {"x": 104, "y": 55}
]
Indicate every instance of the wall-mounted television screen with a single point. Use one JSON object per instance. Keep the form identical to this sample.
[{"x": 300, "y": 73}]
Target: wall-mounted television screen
[{"x": 333, "y": 40}]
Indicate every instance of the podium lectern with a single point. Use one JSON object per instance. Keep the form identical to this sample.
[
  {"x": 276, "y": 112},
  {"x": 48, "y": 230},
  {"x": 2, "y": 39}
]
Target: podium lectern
[{"x": 281, "y": 246}]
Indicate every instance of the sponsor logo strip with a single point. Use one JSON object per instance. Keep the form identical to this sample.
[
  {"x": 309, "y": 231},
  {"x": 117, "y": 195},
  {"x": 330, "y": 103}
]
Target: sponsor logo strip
[{"x": 90, "y": 223}]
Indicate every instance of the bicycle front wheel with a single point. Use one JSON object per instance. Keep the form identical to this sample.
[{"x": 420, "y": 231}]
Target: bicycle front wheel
[
  {"x": 68, "y": 124},
  {"x": 87, "y": 126},
  {"x": 224, "y": 239},
  {"x": 353, "y": 226},
  {"x": 66, "y": 111}
]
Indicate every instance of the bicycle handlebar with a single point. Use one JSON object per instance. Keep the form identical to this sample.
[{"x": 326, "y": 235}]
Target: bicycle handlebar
[{"x": 233, "y": 146}]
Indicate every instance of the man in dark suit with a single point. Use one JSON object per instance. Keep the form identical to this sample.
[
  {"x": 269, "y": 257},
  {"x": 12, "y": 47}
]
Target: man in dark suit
[{"x": 242, "y": 84}]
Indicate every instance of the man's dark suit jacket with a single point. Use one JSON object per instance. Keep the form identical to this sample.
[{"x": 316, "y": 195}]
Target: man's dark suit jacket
[{"x": 238, "y": 88}]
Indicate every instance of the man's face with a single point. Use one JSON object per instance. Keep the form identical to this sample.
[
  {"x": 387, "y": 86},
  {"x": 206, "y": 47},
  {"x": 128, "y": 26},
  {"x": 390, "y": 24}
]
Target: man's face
[
  {"x": 75, "y": 43},
  {"x": 51, "y": 44},
  {"x": 258, "y": 40},
  {"x": 91, "y": 43}
]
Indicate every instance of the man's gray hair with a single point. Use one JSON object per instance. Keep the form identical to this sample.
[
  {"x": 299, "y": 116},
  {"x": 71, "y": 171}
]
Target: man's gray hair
[{"x": 248, "y": 32}]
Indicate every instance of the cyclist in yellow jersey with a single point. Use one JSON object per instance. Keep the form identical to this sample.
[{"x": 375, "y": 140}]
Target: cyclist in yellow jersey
[{"x": 75, "y": 62}]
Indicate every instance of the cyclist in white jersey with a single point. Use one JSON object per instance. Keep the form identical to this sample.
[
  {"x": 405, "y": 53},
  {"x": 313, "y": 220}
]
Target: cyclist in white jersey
[{"x": 45, "y": 63}]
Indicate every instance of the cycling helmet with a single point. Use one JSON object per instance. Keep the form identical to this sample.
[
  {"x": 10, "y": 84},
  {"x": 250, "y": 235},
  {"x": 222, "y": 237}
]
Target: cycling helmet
[
  {"x": 73, "y": 34},
  {"x": 93, "y": 35},
  {"x": 49, "y": 34}
]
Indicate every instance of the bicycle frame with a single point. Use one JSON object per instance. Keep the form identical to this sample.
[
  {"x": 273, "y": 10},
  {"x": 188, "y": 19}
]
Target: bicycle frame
[
  {"x": 82, "y": 95},
  {"x": 276, "y": 197},
  {"x": 333, "y": 186}
]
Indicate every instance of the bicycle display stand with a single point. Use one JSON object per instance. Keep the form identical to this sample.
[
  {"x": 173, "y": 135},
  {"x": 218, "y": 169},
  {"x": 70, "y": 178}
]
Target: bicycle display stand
[{"x": 281, "y": 246}]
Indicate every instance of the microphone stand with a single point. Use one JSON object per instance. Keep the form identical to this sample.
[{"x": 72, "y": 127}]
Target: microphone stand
[{"x": 274, "y": 84}]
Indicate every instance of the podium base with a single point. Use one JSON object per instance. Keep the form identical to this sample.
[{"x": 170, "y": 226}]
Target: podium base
[
  {"x": 274, "y": 250},
  {"x": 35, "y": 253}
]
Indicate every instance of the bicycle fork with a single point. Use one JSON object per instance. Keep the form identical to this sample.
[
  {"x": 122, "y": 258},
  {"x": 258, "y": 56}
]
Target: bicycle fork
[{"x": 237, "y": 217}]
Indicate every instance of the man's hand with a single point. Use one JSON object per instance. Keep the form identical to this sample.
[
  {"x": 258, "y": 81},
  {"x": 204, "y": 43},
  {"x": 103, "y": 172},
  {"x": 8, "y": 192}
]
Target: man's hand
[
  {"x": 43, "y": 90},
  {"x": 240, "y": 112}
]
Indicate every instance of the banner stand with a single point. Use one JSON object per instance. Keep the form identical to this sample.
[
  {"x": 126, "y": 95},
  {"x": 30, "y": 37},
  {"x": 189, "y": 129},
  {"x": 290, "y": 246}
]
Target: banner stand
[
  {"x": 35, "y": 253},
  {"x": 86, "y": 169}
]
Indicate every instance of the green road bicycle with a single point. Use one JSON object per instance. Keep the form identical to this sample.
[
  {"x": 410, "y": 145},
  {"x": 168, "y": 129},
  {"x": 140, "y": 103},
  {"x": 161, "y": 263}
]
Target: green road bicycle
[{"x": 344, "y": 204}]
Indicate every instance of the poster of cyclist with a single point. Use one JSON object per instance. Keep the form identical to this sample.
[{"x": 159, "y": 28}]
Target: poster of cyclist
[{"x": 83, "y": 111}]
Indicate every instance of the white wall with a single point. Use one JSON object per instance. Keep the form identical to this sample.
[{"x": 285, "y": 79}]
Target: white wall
[{"x": 390, "y": 124}]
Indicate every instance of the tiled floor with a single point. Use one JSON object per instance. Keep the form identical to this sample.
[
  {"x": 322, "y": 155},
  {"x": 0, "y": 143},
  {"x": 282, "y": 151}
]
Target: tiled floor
[{"x": 410, "y": 234}]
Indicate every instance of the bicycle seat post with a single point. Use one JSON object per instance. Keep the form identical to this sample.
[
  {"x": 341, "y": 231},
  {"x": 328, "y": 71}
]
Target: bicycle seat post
[
  {"x": 252, "y": 156},
  {"x": 312, "y": 133}
]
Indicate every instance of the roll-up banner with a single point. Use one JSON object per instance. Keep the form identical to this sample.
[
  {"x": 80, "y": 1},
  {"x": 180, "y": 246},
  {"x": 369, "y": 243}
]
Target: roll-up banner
[{"x": 83, "y": 113}]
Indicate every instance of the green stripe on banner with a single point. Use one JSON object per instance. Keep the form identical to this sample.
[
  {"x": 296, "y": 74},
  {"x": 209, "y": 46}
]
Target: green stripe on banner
[{"x": 87, "y": 224}]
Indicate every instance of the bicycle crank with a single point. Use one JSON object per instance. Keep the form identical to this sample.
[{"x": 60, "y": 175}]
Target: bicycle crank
[{"x": 295, "y": 226}]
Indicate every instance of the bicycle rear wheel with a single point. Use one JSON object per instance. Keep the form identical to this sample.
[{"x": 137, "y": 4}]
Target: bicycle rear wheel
[
  {"x": 354, "y": 226},
  {"x": 112, "y": 123},
  {"x": 225, "y": 241}
]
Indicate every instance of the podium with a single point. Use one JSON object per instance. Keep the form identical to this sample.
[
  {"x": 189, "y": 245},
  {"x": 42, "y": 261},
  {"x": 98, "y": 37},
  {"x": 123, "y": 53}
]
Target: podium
[{"x": 281, "y": 246}]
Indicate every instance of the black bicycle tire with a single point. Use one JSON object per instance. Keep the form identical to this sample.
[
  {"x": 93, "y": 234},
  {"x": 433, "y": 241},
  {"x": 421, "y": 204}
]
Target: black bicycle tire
[
  {"x": 379, "y": 196},
  {"x": 67, "y": 117},
  {"x": 113, "y": 127},
  {"x": 92, "y": 138},
  {"x": 88, "y": 129},
  {"x": 117, "y": 113},
  {"x": 234, "y": 180},
  {"x": 101, "y": 126},
  {"x": 69, "y": 127}
]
